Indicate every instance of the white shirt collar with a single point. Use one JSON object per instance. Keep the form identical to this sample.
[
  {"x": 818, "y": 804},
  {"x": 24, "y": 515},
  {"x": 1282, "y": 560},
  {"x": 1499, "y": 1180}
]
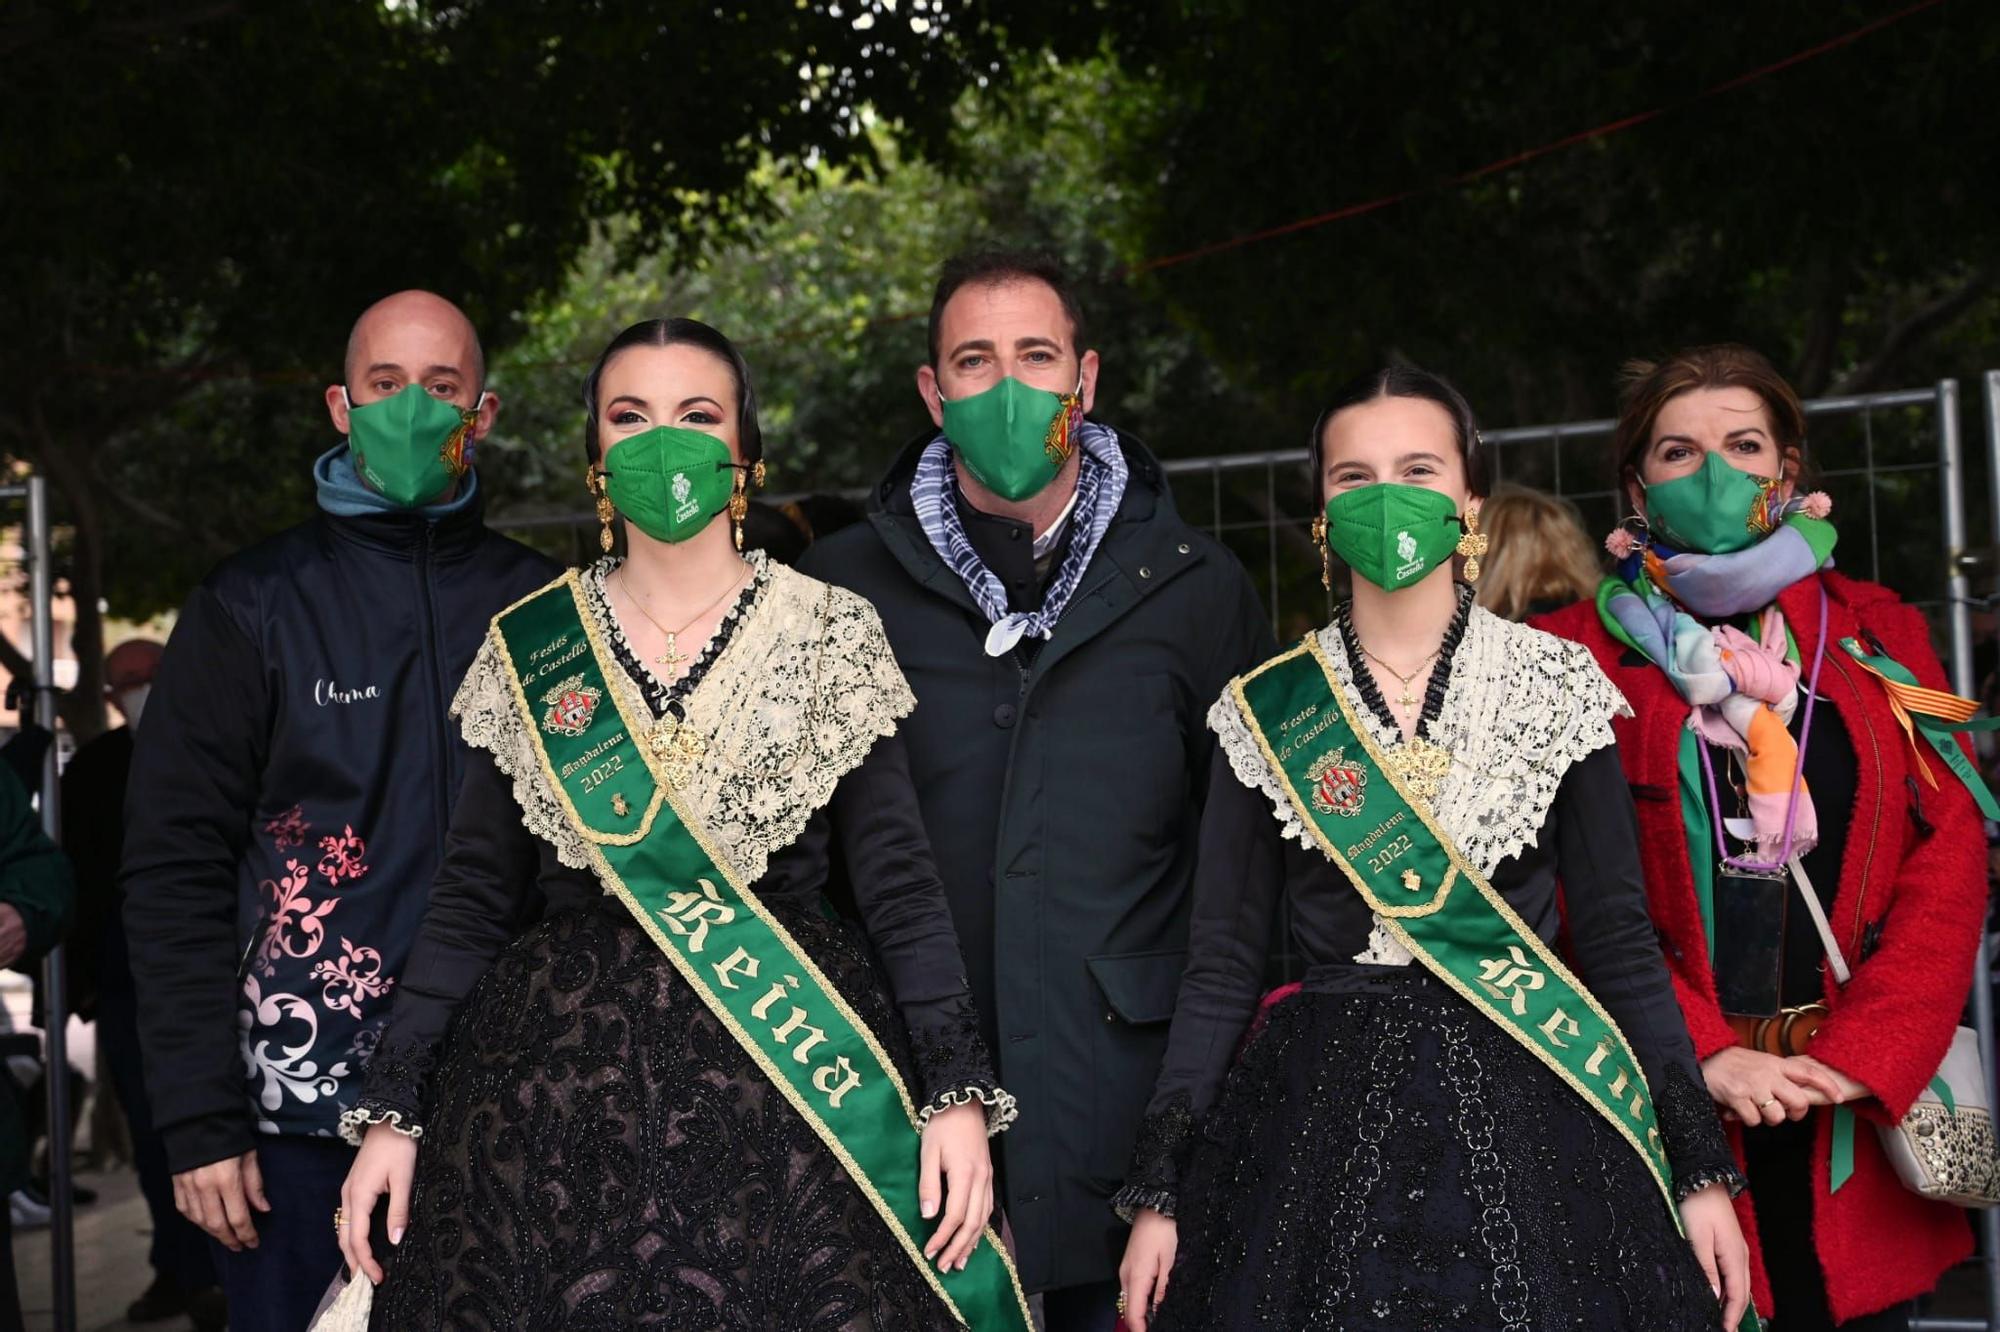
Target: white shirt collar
[{"x": 1048, "y": 540}]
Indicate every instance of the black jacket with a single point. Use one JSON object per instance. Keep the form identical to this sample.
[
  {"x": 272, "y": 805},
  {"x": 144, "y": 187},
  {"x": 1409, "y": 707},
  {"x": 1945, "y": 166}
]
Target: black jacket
[
  {"x": 290, "y": 795},
  {"x": 1062, "y": 790}
]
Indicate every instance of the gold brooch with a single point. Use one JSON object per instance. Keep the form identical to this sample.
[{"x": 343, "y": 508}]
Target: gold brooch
[
  {"x": 1412, "y": 882},
  {"x": 677, "y": 747},
  {"x": 1419, "y": 766}
]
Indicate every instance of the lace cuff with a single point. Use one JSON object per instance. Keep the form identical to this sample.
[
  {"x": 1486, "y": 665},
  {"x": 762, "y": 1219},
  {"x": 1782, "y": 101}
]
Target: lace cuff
[
  {"x": 355, "y": 1123},
  {"x": 1697, "y": 1149},
  {"x": 393, "y": 1088},
  {"x": 952, "y": 1064},
  {"x": 1001, "y": 1107},
  {"x": 1166, "y": 1136}
]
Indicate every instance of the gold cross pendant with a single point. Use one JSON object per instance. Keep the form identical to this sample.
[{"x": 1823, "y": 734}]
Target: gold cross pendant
[{"x": 672, "y": 657}]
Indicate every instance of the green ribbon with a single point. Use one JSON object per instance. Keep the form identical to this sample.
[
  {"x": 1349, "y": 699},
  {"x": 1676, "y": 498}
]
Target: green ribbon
[
  {"x": 614, "y": 781},
  {"x": 1938, "y": 732},
  {"x": 1841, "y": 1164}
]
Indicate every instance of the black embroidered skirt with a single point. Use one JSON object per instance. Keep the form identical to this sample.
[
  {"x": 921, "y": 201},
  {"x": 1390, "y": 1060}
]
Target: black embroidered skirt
[
  {"x": 1387, "y": 1158},
  {"x": 602, "y": 1154}
]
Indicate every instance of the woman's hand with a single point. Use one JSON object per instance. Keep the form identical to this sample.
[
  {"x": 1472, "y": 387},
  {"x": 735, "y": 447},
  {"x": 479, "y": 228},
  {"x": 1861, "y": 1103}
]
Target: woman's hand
[
  {"x": 386, "y": 1163},
  {"x": 1845, "y": 1088},
  {"x": 958, "y": 1164},
  {"x": 1710, "y": 1220},
  {"x": 1149, "y": 1260},
  {"x": 1757, "y": 1088}
]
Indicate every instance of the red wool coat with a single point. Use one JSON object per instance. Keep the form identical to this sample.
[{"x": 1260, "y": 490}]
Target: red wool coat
[{"x": 1878, "y": 1243}]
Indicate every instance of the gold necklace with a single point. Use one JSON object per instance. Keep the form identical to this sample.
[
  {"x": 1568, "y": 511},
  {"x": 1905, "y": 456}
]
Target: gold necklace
[
  {"x": 673, "y": 657},
  {"x": 1407, "y": 699}
]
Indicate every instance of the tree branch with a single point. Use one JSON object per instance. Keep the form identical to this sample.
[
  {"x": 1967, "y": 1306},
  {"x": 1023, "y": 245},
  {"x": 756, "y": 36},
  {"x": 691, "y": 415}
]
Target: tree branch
[{"x": 1926, "y": 321}]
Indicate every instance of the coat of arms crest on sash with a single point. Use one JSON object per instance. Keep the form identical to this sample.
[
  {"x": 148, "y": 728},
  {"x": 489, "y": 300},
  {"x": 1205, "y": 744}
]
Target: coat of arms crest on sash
[
  {"x": 571, "y": 705},
  {"x": 1339, "y": 785}
]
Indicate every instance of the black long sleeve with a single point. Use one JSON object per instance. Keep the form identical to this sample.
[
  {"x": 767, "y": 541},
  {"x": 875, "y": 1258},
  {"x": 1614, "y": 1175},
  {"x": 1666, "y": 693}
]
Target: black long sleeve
[
  {"x": 196, "y": 769},
  {"x": 489, "y": 888},
  {"x": 1240, "y": 878},
  {"x": 1619, "y": 959},
  {"x": 887, "y": 856}
]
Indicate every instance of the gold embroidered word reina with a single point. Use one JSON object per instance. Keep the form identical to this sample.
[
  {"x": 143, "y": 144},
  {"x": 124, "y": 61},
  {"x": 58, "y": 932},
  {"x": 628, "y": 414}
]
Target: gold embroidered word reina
[{"x": 689, "y": 915}]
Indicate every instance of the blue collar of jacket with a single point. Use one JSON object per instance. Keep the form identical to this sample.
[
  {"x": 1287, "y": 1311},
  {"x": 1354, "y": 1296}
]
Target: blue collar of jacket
[{"x": 354, "y": 512}]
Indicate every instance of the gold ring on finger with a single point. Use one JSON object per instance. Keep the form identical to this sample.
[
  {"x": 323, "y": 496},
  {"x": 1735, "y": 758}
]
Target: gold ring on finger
[
  {"x": 1121, "y": 1304},
  {"x": 339, "y": 1219},
  {"x": 1767, "y": 1104}
]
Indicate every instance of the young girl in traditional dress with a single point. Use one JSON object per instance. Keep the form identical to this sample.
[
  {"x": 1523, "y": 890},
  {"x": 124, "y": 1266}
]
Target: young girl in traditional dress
[{"x": 1446, "y": 1124}]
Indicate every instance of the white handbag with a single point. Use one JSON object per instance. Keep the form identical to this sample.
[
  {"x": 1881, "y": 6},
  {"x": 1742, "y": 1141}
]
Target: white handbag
[{"x": 1943, "y": 1148}]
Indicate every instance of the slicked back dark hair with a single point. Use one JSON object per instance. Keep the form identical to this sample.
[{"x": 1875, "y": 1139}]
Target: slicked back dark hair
[
  {"x": 676, "y": 333},
  {"x": 1399, "y": 380},
  {"x": 981, "y": 268}
]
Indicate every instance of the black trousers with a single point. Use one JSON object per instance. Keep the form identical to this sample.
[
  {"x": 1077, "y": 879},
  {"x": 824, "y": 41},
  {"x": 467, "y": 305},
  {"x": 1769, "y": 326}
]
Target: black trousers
[
  {"x": 180, "y": 1249},
  {"x": 1780, "y": 1161},
  {"x": 1091, "y": 1308}
]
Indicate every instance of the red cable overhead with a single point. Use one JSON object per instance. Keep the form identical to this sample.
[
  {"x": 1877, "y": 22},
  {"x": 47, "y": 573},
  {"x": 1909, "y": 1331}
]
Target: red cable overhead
[
  {"x": 1340, "y": 214},
  {"x": 1530, "y": 154}
]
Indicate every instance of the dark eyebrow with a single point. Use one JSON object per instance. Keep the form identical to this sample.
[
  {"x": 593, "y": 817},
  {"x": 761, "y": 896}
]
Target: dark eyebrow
[
  {"x": 699, "y": 397},
  {"x": 1409, "y": 458},
  {"x": 431, "y": 370},
  {"x": 640, "y": 403},
  {"x": 385, "y": 365},
  {"x": 1744, "y": 430},
  {"x": 1672, "y": 439},
  {"x": 976, "y": 344},
  {"x": 1036, "y": 340}
]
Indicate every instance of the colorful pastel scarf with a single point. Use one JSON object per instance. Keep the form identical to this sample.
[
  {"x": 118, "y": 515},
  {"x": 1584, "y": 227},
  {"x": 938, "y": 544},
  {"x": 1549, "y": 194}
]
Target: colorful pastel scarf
[{"x": 1743, "y": 688}]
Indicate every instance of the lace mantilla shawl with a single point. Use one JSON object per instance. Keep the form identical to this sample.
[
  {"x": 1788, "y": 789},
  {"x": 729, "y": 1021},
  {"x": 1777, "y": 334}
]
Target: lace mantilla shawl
[
  {"x": 1520, "y": 707},
  {"x": 802, "y": 692}
]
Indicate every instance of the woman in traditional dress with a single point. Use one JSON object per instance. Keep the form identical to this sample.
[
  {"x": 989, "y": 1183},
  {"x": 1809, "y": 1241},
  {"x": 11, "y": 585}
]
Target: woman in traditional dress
[
  {"x": 1443, "y": 1126},
  {"x": 1751, "y": 665},
  {"x": 673, "y": 1093}
]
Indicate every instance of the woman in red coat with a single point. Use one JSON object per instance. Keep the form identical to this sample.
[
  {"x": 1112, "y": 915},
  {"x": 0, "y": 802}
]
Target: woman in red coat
[{"x": 1724, "y": 610}]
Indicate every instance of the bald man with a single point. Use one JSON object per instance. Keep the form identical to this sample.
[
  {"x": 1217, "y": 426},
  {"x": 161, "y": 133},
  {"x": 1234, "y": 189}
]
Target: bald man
[{"x": 289, "y": 798}]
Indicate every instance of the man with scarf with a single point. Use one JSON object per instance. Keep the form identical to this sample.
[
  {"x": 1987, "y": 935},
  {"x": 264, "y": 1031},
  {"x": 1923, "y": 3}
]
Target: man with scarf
[
  {"x": 1063, "y": 629},
  {"x": 289, "y": 798}
]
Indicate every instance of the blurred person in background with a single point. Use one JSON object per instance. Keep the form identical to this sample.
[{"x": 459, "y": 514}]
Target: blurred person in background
[
  {"x": 101, "y": 988},
  {"x": 1542, "y": 559},
  {"x": 36, "y": 898}
]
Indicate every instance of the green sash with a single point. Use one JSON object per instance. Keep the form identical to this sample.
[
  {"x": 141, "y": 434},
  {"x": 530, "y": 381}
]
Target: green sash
[
  {"x": 613, "y": 776},
  {"x": 1434, "y": 901}
]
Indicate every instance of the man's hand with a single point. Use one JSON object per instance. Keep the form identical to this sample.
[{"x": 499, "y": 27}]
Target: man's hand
[{"x": 218, "y": 1198}]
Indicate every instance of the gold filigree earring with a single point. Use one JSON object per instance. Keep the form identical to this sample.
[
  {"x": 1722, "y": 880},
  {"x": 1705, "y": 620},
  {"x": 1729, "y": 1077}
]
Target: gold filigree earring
[
  {"x": 1473, "y": 544},
  {"x": 1325, "y": 554},
  {"x": 739, "y": 499},
  {"x": 593, "y": 482}
]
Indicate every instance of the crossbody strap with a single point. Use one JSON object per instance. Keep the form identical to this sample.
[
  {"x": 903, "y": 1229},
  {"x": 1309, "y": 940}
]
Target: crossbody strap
[{"x": 1834, "y": 957}]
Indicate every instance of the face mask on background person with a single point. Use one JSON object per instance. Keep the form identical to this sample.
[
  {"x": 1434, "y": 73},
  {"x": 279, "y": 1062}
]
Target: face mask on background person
[
  {"x": 1012, "y": 437},
  {"x": 1715, "y": 509},
  {"x": 412, "y": 445}
]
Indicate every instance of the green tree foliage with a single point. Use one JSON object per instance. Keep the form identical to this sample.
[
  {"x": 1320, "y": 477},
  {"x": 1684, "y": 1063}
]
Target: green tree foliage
[{"x": 198, "y": 192}]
